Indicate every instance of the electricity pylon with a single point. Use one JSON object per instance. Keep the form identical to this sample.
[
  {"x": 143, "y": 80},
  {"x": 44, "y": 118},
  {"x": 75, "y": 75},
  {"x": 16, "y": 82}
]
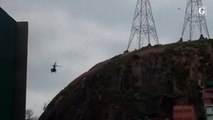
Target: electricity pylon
[
  {"x": 195, "y": 16},
  {"x": 143, "y": 24}
]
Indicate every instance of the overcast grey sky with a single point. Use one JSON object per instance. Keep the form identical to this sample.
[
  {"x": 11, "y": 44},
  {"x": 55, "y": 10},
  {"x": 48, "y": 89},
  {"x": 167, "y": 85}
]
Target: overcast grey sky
[{"x": 77, "y": 34}]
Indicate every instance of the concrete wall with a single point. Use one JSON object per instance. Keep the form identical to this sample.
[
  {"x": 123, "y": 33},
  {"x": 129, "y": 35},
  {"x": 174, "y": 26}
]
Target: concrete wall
[
  {"x": 13, "y": 61},
  {"x": 21, "y": 71}
]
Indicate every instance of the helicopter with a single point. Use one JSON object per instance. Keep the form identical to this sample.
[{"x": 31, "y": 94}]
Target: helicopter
[{"x": 53, "y": 70}]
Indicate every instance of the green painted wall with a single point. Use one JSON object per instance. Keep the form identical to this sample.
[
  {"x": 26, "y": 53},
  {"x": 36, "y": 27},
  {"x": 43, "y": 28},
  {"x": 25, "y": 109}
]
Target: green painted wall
[{"x": 7, "y": 65}]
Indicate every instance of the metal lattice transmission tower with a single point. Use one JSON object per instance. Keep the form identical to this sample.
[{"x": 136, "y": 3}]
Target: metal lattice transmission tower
[
  {"x": 193, "y": 18},
  {"x": 143, "y": 26}
]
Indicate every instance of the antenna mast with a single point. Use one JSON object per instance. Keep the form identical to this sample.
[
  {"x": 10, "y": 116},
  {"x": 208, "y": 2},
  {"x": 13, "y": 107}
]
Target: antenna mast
[
  {"x": 143, "y": 26},
  {"x": 195, "y": 16}
]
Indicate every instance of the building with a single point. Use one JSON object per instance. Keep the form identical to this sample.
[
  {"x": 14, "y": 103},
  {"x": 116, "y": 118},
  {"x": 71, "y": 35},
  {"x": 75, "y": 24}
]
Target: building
[
  {"x": 208, "y": 96},
  {"x": 209, "y": 112},
  {"x": 184, "y": 112},
  {"x": 208, "y": 99},
  {"x": 13, "y": 60}
]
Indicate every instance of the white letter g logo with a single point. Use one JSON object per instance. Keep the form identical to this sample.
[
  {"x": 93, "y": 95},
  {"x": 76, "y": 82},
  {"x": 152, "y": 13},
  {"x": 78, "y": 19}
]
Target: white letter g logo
[{"x": 202, "y": 11}]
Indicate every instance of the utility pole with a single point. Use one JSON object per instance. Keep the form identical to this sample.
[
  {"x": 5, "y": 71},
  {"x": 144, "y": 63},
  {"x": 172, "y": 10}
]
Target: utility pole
[
  {"x": 195, "y": 15},
  {"x": 143, "y": 26}
]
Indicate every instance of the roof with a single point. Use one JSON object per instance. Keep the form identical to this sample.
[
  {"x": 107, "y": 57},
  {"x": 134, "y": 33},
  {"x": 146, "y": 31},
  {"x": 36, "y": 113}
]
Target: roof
[{"x": 5, "y": 18}]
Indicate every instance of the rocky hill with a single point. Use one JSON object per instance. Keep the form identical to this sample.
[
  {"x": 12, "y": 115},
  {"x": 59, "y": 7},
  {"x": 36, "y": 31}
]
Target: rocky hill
[{"x": 139, "y": 84}]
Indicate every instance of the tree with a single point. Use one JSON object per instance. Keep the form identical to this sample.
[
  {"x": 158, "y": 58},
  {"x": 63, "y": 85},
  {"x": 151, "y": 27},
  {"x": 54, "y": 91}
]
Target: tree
[
  {"x": 45, "y": 106},
  {"x": 29, "y": 115}
]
